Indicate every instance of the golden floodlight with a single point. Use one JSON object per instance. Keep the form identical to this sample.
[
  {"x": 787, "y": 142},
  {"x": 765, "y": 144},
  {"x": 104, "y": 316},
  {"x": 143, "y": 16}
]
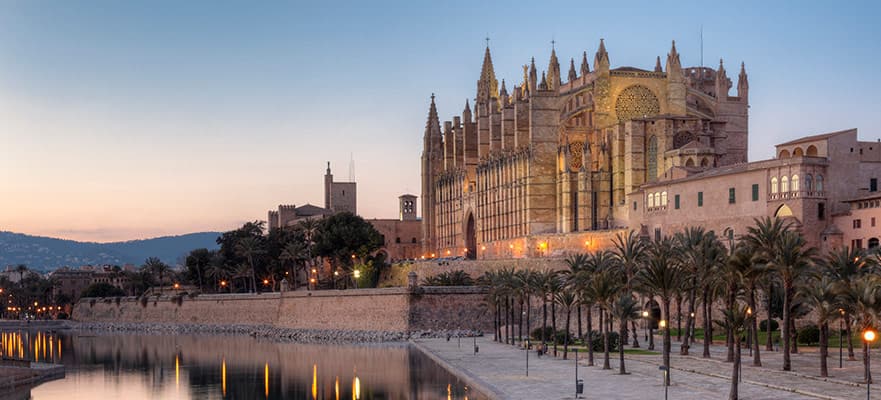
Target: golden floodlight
[
  {"x": 869, "y": 335},
  {"x": 662, "y": 324},
  {"x": 645, "y": 314}
]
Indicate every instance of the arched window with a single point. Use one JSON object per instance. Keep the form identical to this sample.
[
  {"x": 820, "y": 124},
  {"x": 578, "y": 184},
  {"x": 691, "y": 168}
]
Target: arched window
[
  {"x": 689, "y": 162},
  {"x": 652, "y": 161},
  {"x": 808, "y": 183},
  {"x": 812, "y": 151},
  {"x": 784, "y": 154},
  {"x": 798, "y": 152},
  {"x": 663, "y": 198},
  {"x": 705, "y": 162},
  {"x": 784, "y": 184},
  {"x": 783, "y": 211},
  {"x": 819, "y": 183},
  {"x": 774, "y": 185},
  {"x": 651, "y": 200},
  {"x": 795, "y": 183},
  {"x": 657, "y": 199}
]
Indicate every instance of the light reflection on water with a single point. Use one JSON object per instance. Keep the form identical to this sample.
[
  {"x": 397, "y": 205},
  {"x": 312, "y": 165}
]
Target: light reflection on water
[{"x": 103, "y": 366}]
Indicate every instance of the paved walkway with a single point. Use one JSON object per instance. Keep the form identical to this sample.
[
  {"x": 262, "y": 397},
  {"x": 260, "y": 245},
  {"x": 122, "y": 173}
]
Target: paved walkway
[{"x": 498, "y": 370}]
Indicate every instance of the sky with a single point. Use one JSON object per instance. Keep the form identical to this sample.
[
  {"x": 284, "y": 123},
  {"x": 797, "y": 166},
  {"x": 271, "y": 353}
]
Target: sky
[{"x": 122, "y": 120}]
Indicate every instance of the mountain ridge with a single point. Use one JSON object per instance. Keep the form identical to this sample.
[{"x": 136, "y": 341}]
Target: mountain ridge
[{"x": 44, "y": 253}]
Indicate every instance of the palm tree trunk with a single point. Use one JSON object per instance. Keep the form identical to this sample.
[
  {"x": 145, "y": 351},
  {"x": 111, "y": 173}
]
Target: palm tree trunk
[
  {"x": 824, "y": 348},
  {"x": 635, "y": 334},
  {"x": 794, "y": 333},
  {"x": 512, "y": 320},
  {"x": 769, "y": 343},
  {"x": 590, "y": 335},
  {"x": 520, "y": 324},
  {"x": 499, "y": 319},
  {"x": 666, "y": 303},
  {"x": 621, "y": 369},
  {"x": 708, "y": 335},
  {"x": 554, "y": 325},
  {"x": 566, "y": 340},
  {"x": 507, "y": 321},
  {"x": 678, "y": 318},
  {"x": 735, "y": 373},
  {"x": 580, "y": 332},
  {"x": 850, "y": 354},
  {"x": 787, "y": 298},
  {"x": 729, "y": 333},
  {"x": 605, "y": 329},
  {"x": 754, "y": 332},
  {"x": 544, "y": 319},
  {"x": 689, "y": 324}
]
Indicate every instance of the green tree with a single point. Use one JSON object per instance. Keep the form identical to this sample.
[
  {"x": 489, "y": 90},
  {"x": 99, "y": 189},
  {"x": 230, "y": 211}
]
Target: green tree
[
  {"x": 157, "y": 268},
  {"x": 664, "y": 278},
  {"x": 625, "y": 310},
  {"x": 762, "y": 238},
  {"x": 735, "y": 320},
  {"x": 197, "y": 263},
  {"x": 822, "y": 294},
  {"x": 846, "y": 266},
  {"x": 791, "y": 258},
  {"x": 604, "y": 289},
  {"x": 250, "y": 248},
  {"x": 343, "y": 237},
  {"x": 567, "y": 299},
  {"x": 102, "y": 289}
]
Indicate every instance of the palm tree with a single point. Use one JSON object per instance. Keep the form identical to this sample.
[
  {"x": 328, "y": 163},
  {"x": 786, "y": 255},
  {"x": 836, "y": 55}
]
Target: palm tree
[
  {"x": 543, "y": 283},
  {"x": 218, "y": 272},
  {"x": 845, "y": 266},
  {"x": 525, "y": 285},
  {"x": 576, "y": 262},
  {"x": 630, "y": 253},
  {"x": 750, "y": 274},
  {"x": 555, "y": 286},
  {"x": 605, "y": 287},
  {"x": 663, "y": 277},
  {"x": 701, "y": 253},
  {"x": 735, "y": 320},
  {"x": 625, "y": 309},
  {"x": 567, "y": 299},
  {"x": 582, "y": 281},
  {"x": 250, "y": 247},
  {"x": 762, "y": 238},
  {"x": 821, "y": 293},
  {"x": 791, "y": 257},
  {"x": 865, "y": 297},
  {"x": 294, "y": 253},
  {"x": 157, "y": 267}
]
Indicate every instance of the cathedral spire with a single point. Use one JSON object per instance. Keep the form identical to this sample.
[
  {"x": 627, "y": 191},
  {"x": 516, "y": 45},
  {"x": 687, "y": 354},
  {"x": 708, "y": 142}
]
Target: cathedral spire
[
  {"x": 742, "y": 83},
  {"x": 601, "y": 60},
  {"x": 544, "y": 82},
  {"x": 466, "y": 113},
  {"x": 503, "y": 95},
  {"x": 722, "y": 81},
  {"x": 658, "y": 64},
  {"x": 572, "y": 75},
  {"x": 487, "y": 86},
  {"x": 432, "y": 125},
  {"x": 674, "y": 67},
  {"x": 554, "y": 70},
  {"x": 533, "y": 76},
  {"x": 585, "y": 69}
]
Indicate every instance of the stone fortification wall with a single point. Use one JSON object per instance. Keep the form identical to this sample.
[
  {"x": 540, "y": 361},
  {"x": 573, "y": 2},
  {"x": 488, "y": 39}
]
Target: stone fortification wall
[
  {"x": 369, "y": 310},
  {"x": 397, "y": 275}
]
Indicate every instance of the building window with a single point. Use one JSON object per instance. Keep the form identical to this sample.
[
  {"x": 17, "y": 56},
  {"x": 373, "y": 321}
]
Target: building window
[
  {"x": 856, "y": 244},
  {"x": 819, "y": 183},
  {"x": 774, "y": 185},
  {"x": 652, "y": 161},
  {"x": 657, "y": 233},
  {"x": 663, "y": 198},
  {"x": 872, "y": 222},
  {"x": 795, "y": 183},
  {"x": 755, "y": 192},
  {"x": 873, "y": 243},
  {"x": 821, "y": 211},
  {"x": 634, "y": 205},
  {"x": 857, "y": 224},
  {"x": 873, "y": 185},
  {"x": 731, "y": 197},
  {"x": 398, "y": 240},
  {"x": 676, "y": 201},
  {"x": 657, "y": 199},
  {"x": 784, "y": 184},
  {"x": 700, "y": 199},
  {"x": 651, "y": 200}
]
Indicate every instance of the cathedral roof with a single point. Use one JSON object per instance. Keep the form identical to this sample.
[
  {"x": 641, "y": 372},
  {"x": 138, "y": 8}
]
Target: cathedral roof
[
  {"x": 629, "y": 69},
  {"x": 308, "y": 210}
]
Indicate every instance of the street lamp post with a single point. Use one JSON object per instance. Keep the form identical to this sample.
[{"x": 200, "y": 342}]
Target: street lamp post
[
  {"x": 869, "y": 337},
  {"x": 579, "y": 383},
  {"x": 666, "y": 371},
  {"x": 527, "y": 357},
  {"x": 841, "y": 340},
  {"x": 645, "y": 316}
]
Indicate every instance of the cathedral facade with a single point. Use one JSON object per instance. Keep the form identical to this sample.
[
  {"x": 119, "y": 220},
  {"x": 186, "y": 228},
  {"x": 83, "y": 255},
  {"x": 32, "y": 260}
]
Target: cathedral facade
[{"x": 567, "y": 157}]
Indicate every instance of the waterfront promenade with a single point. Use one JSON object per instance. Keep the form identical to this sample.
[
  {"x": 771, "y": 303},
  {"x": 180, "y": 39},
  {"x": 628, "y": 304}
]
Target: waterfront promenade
[{"x": 498, "y": 370}]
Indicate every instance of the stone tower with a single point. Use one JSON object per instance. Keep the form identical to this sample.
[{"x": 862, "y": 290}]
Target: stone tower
[{"x": 407, "y": 207}]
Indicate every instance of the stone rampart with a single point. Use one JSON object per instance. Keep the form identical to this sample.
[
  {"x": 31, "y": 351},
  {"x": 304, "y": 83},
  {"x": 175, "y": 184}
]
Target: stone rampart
[{"x": 400, "y": 310}]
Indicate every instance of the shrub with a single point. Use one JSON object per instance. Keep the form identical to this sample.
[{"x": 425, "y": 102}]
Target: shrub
[
  {"x": 809, "y": 334},
  {"x": 536, "y": 333},
  {"x": 763, "y": 325},
  {"x": 452, "y": 278},
  {"x": 596, "y": 341},
  {"x": 61, "y": 315}
]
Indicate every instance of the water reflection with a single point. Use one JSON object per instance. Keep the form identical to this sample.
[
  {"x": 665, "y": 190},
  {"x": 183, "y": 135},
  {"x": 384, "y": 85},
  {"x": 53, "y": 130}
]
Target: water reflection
[{"x": 140, "y": 367}]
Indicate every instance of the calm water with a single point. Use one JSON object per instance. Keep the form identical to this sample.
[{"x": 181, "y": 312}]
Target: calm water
[{"x": 126, "y": 366}]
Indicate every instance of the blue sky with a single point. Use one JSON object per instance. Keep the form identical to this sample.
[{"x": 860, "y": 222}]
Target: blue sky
[{"x": 121, "y": 120}]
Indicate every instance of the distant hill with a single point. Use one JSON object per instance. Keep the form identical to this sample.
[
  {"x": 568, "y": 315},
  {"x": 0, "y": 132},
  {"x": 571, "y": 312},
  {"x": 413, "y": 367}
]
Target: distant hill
[{"x": 45, "y": 253}]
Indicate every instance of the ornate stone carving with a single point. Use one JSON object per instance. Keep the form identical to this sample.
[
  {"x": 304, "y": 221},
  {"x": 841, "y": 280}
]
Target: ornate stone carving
[
  {"x": 575, "y": 154},
  {"x": 636, "y": 101}
]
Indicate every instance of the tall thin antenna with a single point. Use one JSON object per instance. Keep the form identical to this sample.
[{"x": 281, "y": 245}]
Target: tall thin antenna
[
  {"x": 702, "y": 52},
  {"x": 351, "y": 167}
]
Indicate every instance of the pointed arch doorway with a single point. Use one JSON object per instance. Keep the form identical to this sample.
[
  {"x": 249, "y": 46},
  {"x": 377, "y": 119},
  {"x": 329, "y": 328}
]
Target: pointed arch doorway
[{"x": 470, "y": 238}]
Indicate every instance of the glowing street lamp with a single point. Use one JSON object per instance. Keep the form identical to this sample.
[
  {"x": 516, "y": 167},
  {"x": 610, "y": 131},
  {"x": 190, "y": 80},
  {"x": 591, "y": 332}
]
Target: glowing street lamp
[
  {"x": 177, "y": 285},
  {"x": 869, "y": 336}
]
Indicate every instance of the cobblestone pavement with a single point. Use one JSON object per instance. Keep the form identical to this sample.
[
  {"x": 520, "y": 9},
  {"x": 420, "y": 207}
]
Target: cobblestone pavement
[{"x": 500, "y": 370}]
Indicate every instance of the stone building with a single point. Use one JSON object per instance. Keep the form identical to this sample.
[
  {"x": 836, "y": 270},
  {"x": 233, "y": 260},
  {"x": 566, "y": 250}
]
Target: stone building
[
  {"x": 860, "y": 226},
  {"x": 565, "y": 155},
  {"x": 338, "y": 197},
  {"x": 401, "y": 236}
]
